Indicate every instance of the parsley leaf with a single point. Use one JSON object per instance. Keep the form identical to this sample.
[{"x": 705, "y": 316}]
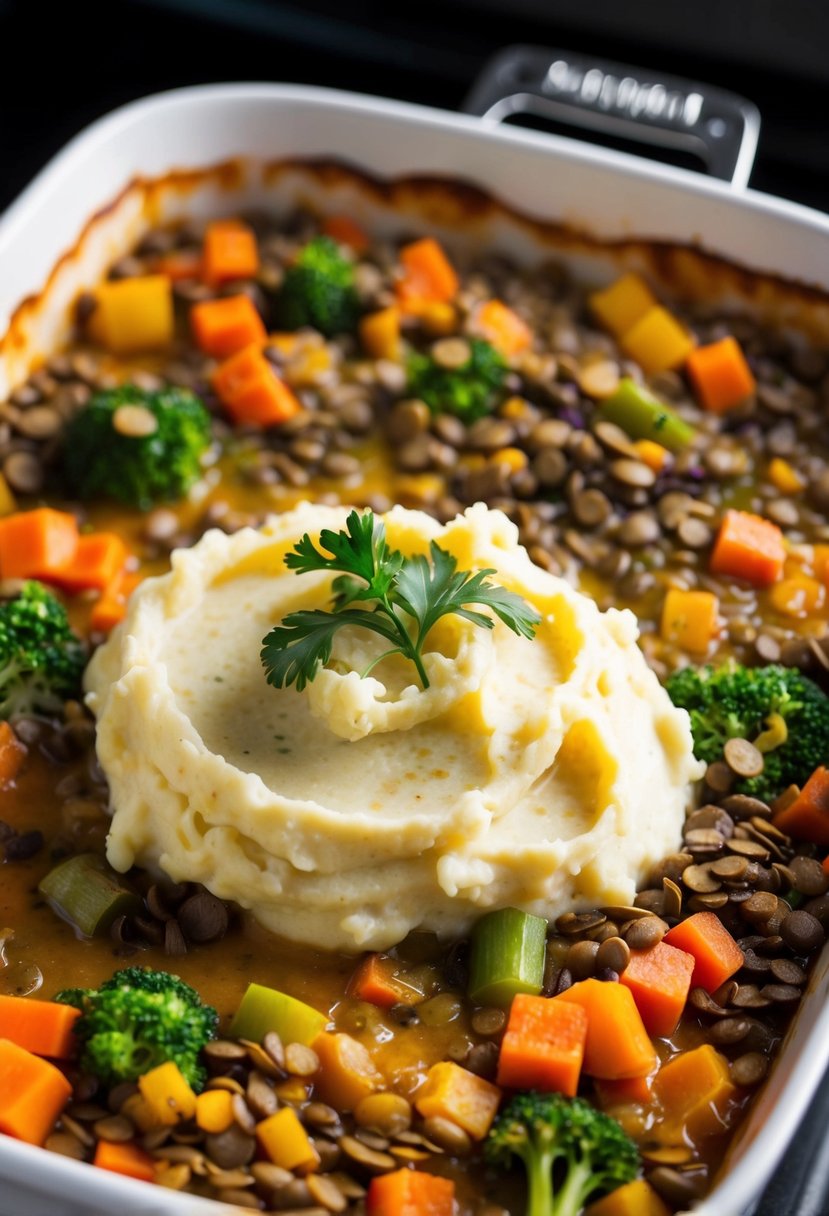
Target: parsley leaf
[{"x": 409, "y": 595}]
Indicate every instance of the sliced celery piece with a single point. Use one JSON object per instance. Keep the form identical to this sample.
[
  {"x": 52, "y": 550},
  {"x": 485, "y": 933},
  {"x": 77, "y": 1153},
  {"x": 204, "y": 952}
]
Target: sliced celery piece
[
  {"x": 263, "y": 1009},
  {"x": 507, "y": 956},
  {"x": 87, "y": 893},
  {"x": 643, "y": 416}
]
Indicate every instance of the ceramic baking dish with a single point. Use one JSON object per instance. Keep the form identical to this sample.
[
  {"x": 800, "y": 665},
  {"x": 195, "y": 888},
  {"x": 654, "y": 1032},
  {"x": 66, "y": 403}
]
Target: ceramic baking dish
[{"x": 216, "y": 149}]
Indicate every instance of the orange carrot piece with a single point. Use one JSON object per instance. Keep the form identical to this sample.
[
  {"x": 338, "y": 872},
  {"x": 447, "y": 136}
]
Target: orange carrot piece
[
  {"x": 660, "y": 980},
  {"x": 346, "y": 231},
  {"x": 180, "y": 264},
  {"x": 508, "y": 333},
  {"x": 111, "y": 607},
  {"x": 716, "y": 955},
  {"x": 34, "y": 1093},
  {"x": 695, "y": 1090},
  {"x": 720, "y": 375},
  {"x": 807, "y": 816},
  {"x": 543, "y": 1047},
  {"x": 824, "y": 865},
  {"x": 12, "y": 754},
  {"x": 637, "y": 1198},
  {"x": 229, "y": 252},
  {"x": 410, "y": 1193},
  {"x": 222, "y": 327},
  {"x": 42, "y": 1027},
  {"x": 617, "y": 1044},
  {"x": 124, "y": 1158},
  {"x": 374, "y": 982},
  {"x": 428, "y": 275},
  {"x": 749, "y": 547},
  {"x": 631, "y": 1089},
  {"x": 455, "y": 1093},
  {"x": 37, "y": 544},
  {"x": 99, "y": 557},
  {"x": 250, "y": 390}
]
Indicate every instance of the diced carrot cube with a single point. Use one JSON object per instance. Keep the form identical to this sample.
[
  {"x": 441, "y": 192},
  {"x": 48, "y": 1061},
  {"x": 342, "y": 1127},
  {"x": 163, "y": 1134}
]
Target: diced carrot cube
[
  {"x": 500, "y": 325},
  {"x": 12, "y": 754},
  {"x": 250, "y": 390},
  {"x": 660, "y": 980},
  {"x": 229, "y": 252},
  {"x": 695, "y": 1089},
  {"x": 720, "y": 375},
  {"x": 374, "y": 981},
  {"x": 98, "y": 559},
  {"x": 42, "y": 1027},
  {"x": 617, "y": 1044},
  {"x": 716, "y": 955},
  {"x": 749, "y": 547},
  {"x": 456, "y": 1093},
  {"x": 346, "y": 231},
  {"x": 127, "y": 1158},
  {"x": 37, "y": 544},
  {"x": 111, "y": 606},
  {"x": 806, "y": 817},
  {"x": 410, "y": 1193},
  {"x": 34, "y": 1093},
  {"x": 223, "y": 327},
  {"x": 543, "y": 1047},
  {"x": 428, "y": 274}
]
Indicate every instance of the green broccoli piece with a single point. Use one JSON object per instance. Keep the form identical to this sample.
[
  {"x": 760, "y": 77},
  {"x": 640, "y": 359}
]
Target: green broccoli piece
[
  {"x": 99, "y": 461},
  {"x": 733, "y": 702},
  {"x": 469, "y": 391},
  {"x": 318, "y": 290},
  {"x": 137, "y": 1020},
  {"x": 571, "y": 1151},
  {"x": 41, "y": 659}
]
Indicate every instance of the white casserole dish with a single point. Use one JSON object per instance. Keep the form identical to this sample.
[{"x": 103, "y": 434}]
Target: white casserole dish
[{"x": 547, "y": 178}]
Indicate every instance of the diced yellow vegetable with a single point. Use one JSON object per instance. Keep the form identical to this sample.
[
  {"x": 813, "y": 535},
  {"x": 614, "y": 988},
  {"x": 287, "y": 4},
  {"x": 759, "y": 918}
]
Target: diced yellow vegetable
[
  {"x": 784, "y": 478},
  {"x": 285, "y": 1141},
  {"x": 455, "y": 1093},
  {"x": 637, "y": 1198},
  {"x": 695, "y": 1090},
  {"x": 133, "y": 314},
  {"x": 293, "y": 1091},
  {"x": 167, "y": 1094},
  {"x": 798, "y": 596},
  {"x": 652, "y": 454},
  {"x": 621, "y": 305},
  {"x": 304, "y": 369},
  {"x": 214, "y": 1110},
  {"x": 513, "y": 458},
  {"x": 657, "y": 341},
  {"x": 689, "y": 619},
  {"x": 347, "y": 1072},
  {"x": 262, "y": 1009},
  {"x": 380, "y": 333},
  {"x": 438, "y": 318},
  {"x": 7, "y": 501}
]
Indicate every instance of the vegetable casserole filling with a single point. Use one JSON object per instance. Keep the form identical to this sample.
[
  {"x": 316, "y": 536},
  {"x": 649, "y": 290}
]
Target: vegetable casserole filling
[{"x": 413, "y": 726}]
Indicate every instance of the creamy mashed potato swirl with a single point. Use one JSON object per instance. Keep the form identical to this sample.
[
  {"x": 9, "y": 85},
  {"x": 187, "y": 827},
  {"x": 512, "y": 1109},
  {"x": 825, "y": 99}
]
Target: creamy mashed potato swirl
[{"x": 546, "y": 774}]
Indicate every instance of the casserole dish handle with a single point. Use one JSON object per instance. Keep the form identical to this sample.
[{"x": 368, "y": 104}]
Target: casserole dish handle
[{"x": 718, "y": 128}]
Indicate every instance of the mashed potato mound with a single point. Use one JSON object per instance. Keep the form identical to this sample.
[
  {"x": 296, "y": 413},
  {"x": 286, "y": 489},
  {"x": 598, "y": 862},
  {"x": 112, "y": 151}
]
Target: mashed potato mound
[{"x": 546, "y": 774}]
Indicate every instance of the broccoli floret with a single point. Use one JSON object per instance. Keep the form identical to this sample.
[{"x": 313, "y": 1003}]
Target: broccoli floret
[
  {"x": 41, "y": 660},
  {"x": 101, "y": 461},
  {"x": 318, "y": 290},
  {"x": 733, "y": 702},
  {"x": 469, "y": 391},
  {"x": 137, "y": 1020},
  {"x": 570, "y": 1151}
]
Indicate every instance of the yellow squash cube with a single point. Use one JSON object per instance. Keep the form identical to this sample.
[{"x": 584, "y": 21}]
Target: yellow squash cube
[
  {"x": 689, "y": 619},
  {"x": 621, "y": 305},
  {"x": 167, "y": 1094},
  {"x": 285, "y": 1141},
  {"x": 657, "y": 341},
  {"x": 133, "y": 314},
  {"x": 455, "y": 1093}
]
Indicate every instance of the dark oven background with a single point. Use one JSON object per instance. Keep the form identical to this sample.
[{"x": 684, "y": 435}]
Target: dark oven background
[{"x": 64, "y": 65}]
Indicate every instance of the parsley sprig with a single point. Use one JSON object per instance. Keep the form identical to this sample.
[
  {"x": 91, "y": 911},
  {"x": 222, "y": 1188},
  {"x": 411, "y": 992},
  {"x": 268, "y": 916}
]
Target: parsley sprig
[{"x": 403, "y": 597}]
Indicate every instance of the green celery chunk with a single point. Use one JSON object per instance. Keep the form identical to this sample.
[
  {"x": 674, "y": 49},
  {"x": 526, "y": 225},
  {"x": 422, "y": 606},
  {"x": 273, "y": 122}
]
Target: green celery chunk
[
  {"x": 263, "y": 1009},
  {"x": 507, "y": 957},
  {"x": 88, "y": 894},
  {"x": 643, "y": 416}
]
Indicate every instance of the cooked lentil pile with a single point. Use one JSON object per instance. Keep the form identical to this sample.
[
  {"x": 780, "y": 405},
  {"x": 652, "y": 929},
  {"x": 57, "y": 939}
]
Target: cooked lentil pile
[{"x": 667, "y": 459}]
